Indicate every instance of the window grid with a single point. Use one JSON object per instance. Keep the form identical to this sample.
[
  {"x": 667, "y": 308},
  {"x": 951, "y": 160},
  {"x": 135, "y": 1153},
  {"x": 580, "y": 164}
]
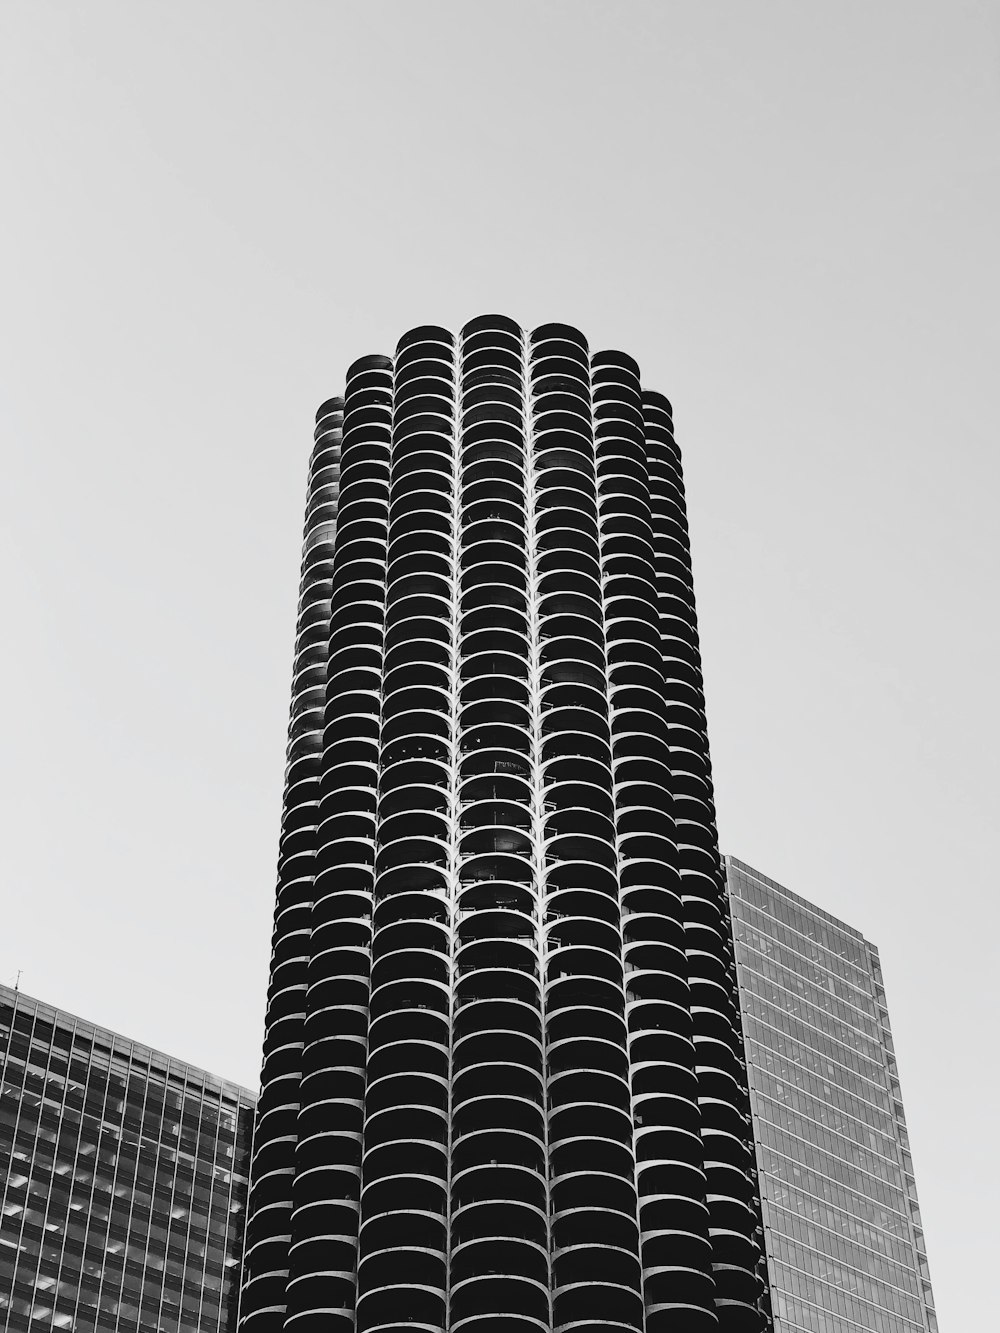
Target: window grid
[
  {"x": 123, "y": 1181},
  {"x": 843, "y": 1237}
]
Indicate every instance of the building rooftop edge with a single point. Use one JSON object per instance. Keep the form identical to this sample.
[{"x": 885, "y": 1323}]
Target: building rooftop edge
[
  {"x": 799, "y": 901},
  {"x": 112, "y": 1038}
]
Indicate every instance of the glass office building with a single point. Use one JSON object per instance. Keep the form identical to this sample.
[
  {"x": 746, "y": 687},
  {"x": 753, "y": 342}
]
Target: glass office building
[
  {"x": 123, "y": 1178},
  {"x": 844, "y": 1240}
]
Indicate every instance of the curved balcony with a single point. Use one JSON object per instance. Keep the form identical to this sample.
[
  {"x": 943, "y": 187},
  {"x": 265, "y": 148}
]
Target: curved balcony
[
  {"x": 411, "y": 965},
  {"x": 585, "y": 874},
  {"x": 490, "y": 573},
  {"x": 496, "y": 895},
  {"x": 425, "y": 747},
  {"x": 410, "y": 1308},
  {"x": 496, "y": 923},
  {"x": 487, "y": 954},
  {"x": 493, "y": 1080},
  {"x": 486, "y": 641},
  {"x": 595, "y": 1225},
  {"x": 496, "y": 618},
  {"x": 587, "y": 1053},
  {"x": 493, "y": 761},
  {"x": 422, "y": 1194},
  {"x": 480, "y": 355},
  {"x": 500, "y": 1254},
  {"x": 403, "y": 772},
  {"x": 491, "y": 465},
  {"x": 585, "y": 991},
  {"x": 410, "y": 992},
  {"x": 498, "y": 1013},
  {"x": 562, "y": 653},
  {"x": 582, "y": 1263},
  {"x": 497, "y": 1294},
  {"x": 495, "y": 799},
  {"x": 488, "y": 1113},
  {"x": 424, "y": 368},
  {"x": 410, "y": 798},
  {"x": 587, "y": 1087},
  {"x": 605, "y": 1156},
  {"x": 497, "y": 1046},
  {"x": 497, "y": 983},
  {"x": 494, "y": 443},
  {"x": 415, "y": 1264}
]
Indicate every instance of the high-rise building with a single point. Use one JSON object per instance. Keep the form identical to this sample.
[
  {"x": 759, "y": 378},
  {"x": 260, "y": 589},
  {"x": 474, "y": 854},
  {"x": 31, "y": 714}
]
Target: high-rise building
[
  {"x": 503, "y": 1083},
  {"x": 123, "y": 1180},
  {"x": 844, "y": 1239}
]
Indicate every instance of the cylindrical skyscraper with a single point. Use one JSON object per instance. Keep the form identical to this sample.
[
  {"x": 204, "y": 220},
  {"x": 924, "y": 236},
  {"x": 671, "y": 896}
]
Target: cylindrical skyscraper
[{"x": 503, "y": 1083}]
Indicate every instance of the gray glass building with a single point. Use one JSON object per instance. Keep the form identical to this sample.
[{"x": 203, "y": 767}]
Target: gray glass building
[
  {"x": 123, "y": 1178},
  {"x": 844, "y": 1240}
]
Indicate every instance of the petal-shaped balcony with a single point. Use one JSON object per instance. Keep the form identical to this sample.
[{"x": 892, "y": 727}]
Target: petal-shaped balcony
[
  {"x": 482, "y": 356},
  {"x": 493, "y": 923},
  {"x": 406, "y": 965},
  {"x": 585, "y": 931},
  {"x": 495, "y": 618},
  {"x": 398, "y": 1264},
  {"x": 409, "y": 1089},
  {"x": 414, "y": 932},
  {"x": 488, "y": 1147},
  {"x": 499, "y": 1254},
  {"x": 490, "y": 761},
  {"x": 413, "y": 903},
  {"x": 414, "y": 992},
  {"x": 425, "y": 747},
  {"x": 411, "y": 851},
  {"x": 497, "y": 1080},
  {"x": 595, "y": 1225},
  {"x": 497, "y": 983},
  {"x": 492, "y": 471},
  {"x": 401, "y": 773},
  {"x": 500, "y": 1297},
  {"x": 509, "y": 1112},
  {"x": 497, "y": 1046},
  {"x": 570, "y": 843},
  {"x": 587, "y": 1087},
  {"x": 500, "y": 815},
  {"x": 595, "y": 1022},
  {"x": 580, "y": 874},
  {"x": 416, "y": 639},
  {"x": 498, "y": 1014},
  {"x": 587, "y": 1053},
  {"x": 413, "y": 796},
  {"x": 555, "y": 340},
  {"x": 484, "y": 896},
  {"x": 568, "y": 1156},
  {"x": 497, "y": 953},
  {"x": 413, "y": 824},
  {"x": 387, "y": 1309},
  {"x": 422, "y": 1157},
  {"x": 500, "y": 790},
  {"x": 582, "y": 1263}
]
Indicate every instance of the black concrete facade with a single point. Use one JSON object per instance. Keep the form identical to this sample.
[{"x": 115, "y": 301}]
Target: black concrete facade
[{"x": 503, "y": 1083}]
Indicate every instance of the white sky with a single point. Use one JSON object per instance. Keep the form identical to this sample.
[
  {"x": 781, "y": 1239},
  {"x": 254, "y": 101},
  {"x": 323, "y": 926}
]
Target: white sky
[{"x": 787, "y": 212}]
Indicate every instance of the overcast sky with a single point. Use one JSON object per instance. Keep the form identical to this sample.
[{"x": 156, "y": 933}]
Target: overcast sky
[{"x": 788, "y": 213}]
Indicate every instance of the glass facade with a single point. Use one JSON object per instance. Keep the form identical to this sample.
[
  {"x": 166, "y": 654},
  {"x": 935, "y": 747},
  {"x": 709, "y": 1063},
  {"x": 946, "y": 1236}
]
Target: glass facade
[
  {"x": 123, "y": 1178},
  {"x": 844, "y": 1239}
]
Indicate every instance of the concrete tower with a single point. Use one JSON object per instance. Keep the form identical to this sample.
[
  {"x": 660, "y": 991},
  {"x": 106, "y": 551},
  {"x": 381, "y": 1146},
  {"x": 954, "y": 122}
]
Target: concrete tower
[{"x": 503, "y": 1082}]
